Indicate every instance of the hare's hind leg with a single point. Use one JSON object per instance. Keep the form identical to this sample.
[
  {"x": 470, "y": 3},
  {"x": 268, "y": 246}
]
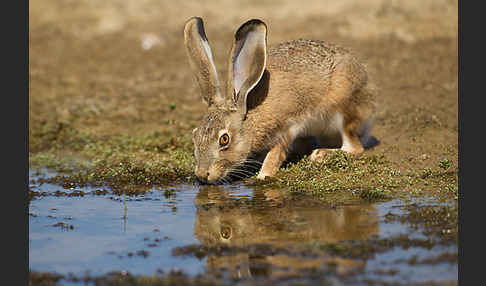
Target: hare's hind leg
[
  {"x": 349, "y": 116},
  {"x": 349, "y": 137}
]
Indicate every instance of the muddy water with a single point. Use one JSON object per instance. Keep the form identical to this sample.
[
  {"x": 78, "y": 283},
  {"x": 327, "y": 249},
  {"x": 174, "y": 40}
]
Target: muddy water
[{"x": 264, "y": 233}]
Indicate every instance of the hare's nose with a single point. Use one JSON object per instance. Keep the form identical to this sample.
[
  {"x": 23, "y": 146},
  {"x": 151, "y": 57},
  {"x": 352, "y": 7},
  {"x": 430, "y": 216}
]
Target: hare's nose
[
  {"x": 205, "y": 176},
  {"x": 202, "y": 175}
]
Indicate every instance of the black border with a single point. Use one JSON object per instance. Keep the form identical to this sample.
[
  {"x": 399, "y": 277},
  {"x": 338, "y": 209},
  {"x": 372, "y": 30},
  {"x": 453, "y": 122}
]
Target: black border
[
  {"x": 15, "y": 94},
  {"x": 18, "y": 70},
  {"x": 469, "y": 273}
]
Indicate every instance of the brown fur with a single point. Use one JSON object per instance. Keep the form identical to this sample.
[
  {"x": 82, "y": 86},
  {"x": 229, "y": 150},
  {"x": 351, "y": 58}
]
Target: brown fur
[{"x": 299, "y": 87}]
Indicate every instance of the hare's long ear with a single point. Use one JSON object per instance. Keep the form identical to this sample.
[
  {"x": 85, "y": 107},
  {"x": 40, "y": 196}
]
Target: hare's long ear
[
  {"x": 201, "y": 60},
  {"x": 247, "y": 61}
]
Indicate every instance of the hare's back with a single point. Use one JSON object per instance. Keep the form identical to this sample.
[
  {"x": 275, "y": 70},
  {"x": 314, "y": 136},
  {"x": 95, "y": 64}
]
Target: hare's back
[{"x": 304, "y": 55}]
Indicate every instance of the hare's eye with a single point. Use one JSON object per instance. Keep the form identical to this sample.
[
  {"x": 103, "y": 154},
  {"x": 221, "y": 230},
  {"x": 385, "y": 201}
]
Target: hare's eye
[
  {"x": 225, "y": 232},
  {"x": 224, "y": 140}
]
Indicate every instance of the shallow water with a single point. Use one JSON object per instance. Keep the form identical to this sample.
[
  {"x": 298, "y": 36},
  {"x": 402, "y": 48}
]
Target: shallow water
[{"x": 97, "y": 234}]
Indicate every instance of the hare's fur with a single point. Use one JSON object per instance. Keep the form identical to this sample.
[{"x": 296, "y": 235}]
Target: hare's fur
[{"x": 306, "y": 88}]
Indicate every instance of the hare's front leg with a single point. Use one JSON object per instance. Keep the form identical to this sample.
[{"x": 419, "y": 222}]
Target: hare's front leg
[{"x": 273, "y": 161}]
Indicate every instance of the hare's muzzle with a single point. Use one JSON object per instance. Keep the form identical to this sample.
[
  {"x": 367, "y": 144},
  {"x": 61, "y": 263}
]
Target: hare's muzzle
[
  {"x": 207, "y": 176},
  {"x": 202, "y": 175}
]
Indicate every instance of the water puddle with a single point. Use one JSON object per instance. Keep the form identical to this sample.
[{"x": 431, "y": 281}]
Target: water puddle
[{"x": 223, "y": 231}]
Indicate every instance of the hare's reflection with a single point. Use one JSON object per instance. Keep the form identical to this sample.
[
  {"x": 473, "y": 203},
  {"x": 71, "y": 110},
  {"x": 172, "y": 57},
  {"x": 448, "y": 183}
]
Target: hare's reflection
[{"x": 276, "y": 218}]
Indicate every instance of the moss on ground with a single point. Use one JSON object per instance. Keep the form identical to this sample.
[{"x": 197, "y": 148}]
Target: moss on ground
[
  {"x": 162, "y": 158},
  {"x": 343, "y": 177},
  {"x": 147, "y": 159}
]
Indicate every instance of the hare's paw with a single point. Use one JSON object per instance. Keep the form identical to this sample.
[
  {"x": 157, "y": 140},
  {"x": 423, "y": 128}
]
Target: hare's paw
[
  {"x": 261, "y": 176},
  {"x": 319, "y": 154}
]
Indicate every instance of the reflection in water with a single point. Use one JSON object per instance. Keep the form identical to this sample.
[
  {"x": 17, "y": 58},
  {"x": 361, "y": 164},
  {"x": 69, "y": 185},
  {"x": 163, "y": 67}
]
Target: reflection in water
[{"x": 275, "y": 218}]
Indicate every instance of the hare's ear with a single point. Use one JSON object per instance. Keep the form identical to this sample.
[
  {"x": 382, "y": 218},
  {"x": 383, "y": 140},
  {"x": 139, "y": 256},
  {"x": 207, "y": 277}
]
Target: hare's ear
[
  {"x": 247, "y": 61},
  {"x": 201, "y": 60}
]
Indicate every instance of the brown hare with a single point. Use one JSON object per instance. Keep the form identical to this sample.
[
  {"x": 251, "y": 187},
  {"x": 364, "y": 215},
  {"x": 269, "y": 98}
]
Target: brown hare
[{"x": 273, "y": 98}]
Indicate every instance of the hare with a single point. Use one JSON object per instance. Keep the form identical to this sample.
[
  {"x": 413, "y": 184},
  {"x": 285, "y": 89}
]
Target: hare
[{"x": 274, "y": 98}]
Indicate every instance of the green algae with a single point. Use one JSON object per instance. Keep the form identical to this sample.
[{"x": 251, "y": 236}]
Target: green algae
[
  {"x": 342, "y": 177},
  {"x": 147, "y": 159}
]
